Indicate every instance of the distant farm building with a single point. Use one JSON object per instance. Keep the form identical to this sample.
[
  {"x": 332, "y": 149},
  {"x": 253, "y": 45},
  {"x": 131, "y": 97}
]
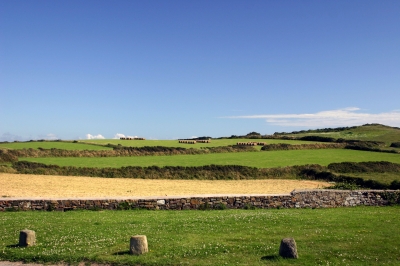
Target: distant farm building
[{"x": 128, "y": 138}]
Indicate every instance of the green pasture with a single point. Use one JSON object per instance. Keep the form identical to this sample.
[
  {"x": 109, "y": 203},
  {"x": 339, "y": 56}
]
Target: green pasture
[
  {"x": 262, "y": 159},
  {"x": 367, "y": 133},
  {"x": 101, "y": 144},
  {"x": 336, "y": 236},
  {"x": 175, "y": 143},
  {"x": 385, "y": 178},
  {"x": 64, "y": 145}
]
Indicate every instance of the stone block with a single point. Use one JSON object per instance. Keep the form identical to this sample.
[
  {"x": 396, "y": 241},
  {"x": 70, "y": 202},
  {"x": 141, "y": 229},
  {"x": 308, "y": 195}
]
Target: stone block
[
  {"x": 138, "y": 245},
  {"x": 288, "y": 248},
  {"x": 27, "y": 238}
]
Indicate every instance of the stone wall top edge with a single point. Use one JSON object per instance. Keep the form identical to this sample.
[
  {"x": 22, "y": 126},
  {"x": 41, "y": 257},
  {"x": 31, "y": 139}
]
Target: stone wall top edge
[
  {"x": 141, "y": 198},
  {"x": 341, "y": 191},
  {"x": 172, "y": 197}
]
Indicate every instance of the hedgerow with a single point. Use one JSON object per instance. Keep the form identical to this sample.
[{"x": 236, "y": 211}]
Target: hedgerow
[
  {"x": 395, "y": 145},
  {"x": 284, "y": 146},
  {"x": 312, "y": 174},
  {"x": 207, "y": 172},
  {"x": 364, "y": 167},
  {"x": 117, "y": 151}
]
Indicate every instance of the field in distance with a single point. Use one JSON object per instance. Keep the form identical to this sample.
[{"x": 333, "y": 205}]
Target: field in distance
[
  {"x": 262, "y": 159},
  {"x": 63, "y": 145},
  {"x": 175, "y": 143},
  {"x": 101, "y": 144},
  {"x": 369, "y": 132}
]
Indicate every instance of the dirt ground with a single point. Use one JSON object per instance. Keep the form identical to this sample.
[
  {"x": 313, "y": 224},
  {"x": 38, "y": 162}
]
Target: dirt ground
[{"x": 16, "y": 185}]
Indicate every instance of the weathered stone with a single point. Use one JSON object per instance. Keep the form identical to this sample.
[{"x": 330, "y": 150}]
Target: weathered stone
[
  {"x": 138, "y": 245},
  {"x": 288, "y": 248},
  {"x": 27, "y": 238}
]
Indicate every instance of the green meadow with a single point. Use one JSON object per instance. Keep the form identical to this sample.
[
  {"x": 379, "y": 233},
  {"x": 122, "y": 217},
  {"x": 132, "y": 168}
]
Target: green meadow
[
  {"x": 64, "y": 145},
  {"x": 102, "y": 144},
  {"x": 261, "y": 159},
  {"x": 337, "y": 236},
  {"x": 372, "y": 132},
  {"x": 175, "y": 143}
]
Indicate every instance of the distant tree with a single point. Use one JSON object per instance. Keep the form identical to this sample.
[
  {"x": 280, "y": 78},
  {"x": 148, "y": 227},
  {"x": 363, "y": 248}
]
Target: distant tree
[{"x": 253, "y": 134}]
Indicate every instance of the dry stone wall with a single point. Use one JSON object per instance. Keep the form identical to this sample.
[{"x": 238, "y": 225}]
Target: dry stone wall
[{"x": 296, "y": 199}]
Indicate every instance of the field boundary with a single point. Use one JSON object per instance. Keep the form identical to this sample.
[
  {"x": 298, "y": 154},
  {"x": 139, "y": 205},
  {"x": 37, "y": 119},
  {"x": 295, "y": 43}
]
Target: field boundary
[{"x": 320, "y": 198}]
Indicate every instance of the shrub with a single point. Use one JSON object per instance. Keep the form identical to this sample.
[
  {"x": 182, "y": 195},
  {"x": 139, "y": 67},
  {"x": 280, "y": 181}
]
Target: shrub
[
  {"x": 204, "y": 207},
  {"x": 124, "y": 206},
  {"x": 220, "y": 206},
  {"x": 364, "y": 167},
  {"x": 318, "y": 138},
  {"x": 248, "y": 206},
  {"x": 7, "y": 156},
  {"x": 395, "y": 145}
]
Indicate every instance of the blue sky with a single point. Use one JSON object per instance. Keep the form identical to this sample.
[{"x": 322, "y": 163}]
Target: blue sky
[{"x": 177, "y": 69}]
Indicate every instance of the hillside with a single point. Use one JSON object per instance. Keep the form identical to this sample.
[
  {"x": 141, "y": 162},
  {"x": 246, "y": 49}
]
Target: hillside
[{"x": 368, "y": 132}]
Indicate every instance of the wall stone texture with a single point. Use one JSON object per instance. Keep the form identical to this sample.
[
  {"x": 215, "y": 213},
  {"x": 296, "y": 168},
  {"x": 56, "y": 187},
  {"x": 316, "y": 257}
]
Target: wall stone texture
[{"x": 296, "y": 199}]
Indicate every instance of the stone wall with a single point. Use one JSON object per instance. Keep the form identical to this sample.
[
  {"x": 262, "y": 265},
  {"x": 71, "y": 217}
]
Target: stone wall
[{"x": 296, "y": 199}]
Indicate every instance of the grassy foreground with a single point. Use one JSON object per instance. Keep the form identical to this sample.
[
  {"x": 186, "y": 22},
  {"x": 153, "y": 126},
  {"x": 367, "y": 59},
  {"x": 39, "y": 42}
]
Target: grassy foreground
[
  {"x": 341, "y": 236},
  {"x": 262, "y": 159}
]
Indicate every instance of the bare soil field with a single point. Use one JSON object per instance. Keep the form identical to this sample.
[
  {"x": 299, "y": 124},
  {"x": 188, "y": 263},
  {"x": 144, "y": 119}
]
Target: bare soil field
[{"x": 36, "y": 186}]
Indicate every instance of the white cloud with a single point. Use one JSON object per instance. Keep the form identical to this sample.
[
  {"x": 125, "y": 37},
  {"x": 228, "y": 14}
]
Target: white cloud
[
  {"x": 89, "y": 136},
  {"x": 332, "y": 118},
  {"x": 118, "y": 136},
  {"x": 49, "y": 136},
  {"x": 10, "y": 137}
]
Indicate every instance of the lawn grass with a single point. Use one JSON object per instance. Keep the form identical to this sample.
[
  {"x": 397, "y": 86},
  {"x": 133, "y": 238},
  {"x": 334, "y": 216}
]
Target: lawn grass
[
  {"x": 262, "y": 159},
  {"x": 337, "y": 236},
  {"x": 64, "y": 145}
]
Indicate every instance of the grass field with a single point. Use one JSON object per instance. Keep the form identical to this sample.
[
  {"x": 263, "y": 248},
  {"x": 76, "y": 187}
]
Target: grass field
[
  {"x": 100, "y": 144},
  {"x": 385, "y": 178},
  {"x": 262, "y": 159},
  {"x": 368, "y": 133},
  {"x": 174, "y": 143},
  {"x": 337, "y": 236},
  {"x": 52, "y": 144}
]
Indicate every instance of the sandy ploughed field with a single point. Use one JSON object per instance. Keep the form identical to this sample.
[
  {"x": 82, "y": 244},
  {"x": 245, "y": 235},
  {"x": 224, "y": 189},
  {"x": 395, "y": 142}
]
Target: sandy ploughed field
[{"x": 16, "y": 185}]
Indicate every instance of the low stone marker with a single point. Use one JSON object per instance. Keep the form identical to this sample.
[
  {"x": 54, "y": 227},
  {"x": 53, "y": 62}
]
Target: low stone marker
[
  {"x": 27, "y": 238},
  {"x": 288, "y": 248},
  {"x": 138, "y": 245}
]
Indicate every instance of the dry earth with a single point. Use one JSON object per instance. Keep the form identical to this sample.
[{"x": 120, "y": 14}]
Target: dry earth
[{"x": 36, "y": 186}]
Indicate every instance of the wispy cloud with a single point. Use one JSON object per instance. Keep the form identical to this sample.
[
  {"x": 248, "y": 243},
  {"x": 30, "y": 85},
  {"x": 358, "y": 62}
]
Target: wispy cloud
[
  {"x": 120, "y": 135},
  {"x": 49, "y": 136},
  {"x": 10, "y": 137},
  {"x": 89, "y": 136},
  {"x": 341, "y": 117}
]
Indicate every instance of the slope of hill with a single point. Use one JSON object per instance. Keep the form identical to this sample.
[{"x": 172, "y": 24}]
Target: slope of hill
[{"x": 368, "y": 132}]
